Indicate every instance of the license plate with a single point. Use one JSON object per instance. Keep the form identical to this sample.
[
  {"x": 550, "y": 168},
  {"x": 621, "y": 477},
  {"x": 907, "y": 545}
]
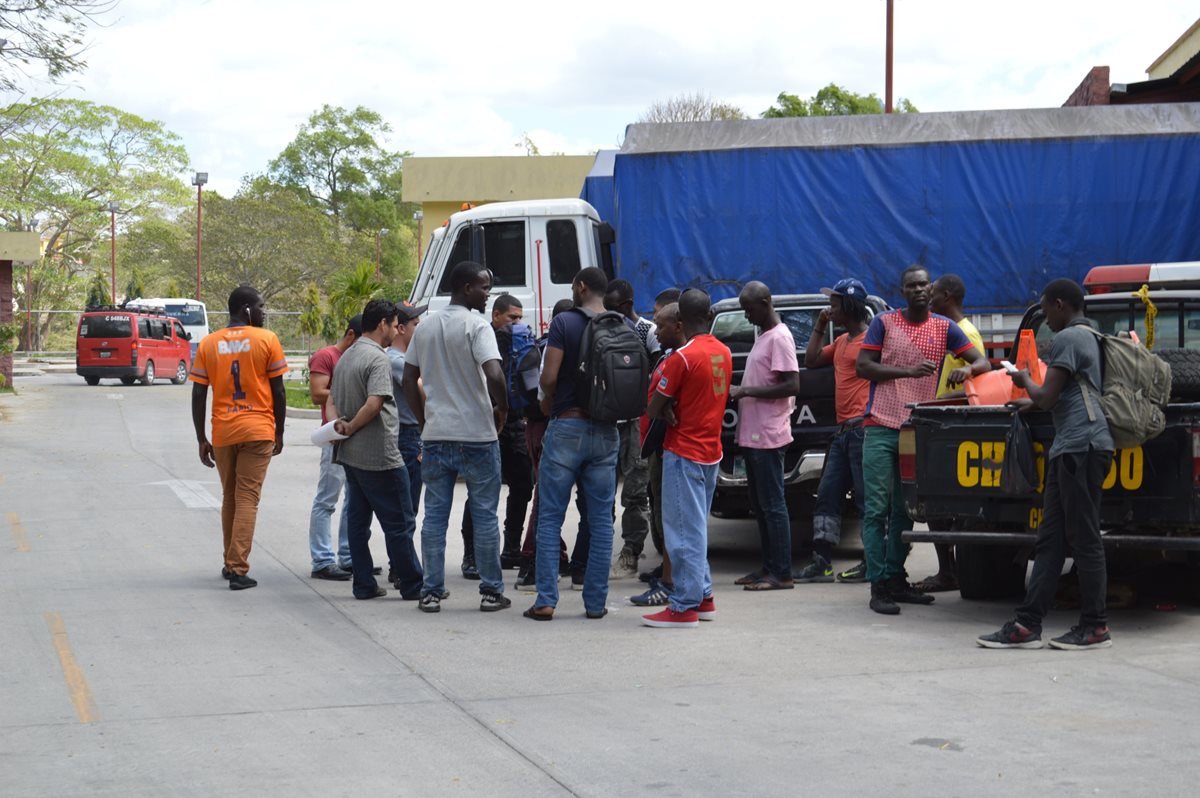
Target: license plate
[
  {"x": 739, "y": 468},
  {"x": 105, "y": 354}
]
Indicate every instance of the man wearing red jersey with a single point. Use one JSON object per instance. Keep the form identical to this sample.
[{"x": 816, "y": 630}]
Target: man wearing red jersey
[{"x": 691, "y": 396}]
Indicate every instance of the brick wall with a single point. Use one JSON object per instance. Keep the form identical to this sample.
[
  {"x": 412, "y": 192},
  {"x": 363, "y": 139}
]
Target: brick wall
[
  {"x": 1094, "y": 90},
  {"x": 6, "y": 315}
]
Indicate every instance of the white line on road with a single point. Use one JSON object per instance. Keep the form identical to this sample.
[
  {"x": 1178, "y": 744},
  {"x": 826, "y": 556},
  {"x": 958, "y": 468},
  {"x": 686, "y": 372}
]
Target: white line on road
[{"x": 192, "y": 493}]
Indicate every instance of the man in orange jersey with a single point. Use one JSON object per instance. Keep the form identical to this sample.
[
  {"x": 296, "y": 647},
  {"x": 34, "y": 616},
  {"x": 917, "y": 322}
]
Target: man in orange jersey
[{"x": 244, "y": 365}]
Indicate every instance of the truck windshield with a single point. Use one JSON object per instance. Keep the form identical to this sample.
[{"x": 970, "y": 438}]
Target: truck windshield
[
  {"x": 421, "y": 284},
  {"x": 106, "y": 327},
  {"x": 191, "y": 315}
]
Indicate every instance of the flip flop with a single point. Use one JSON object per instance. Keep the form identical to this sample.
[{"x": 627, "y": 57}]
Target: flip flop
[
  {"x": 933, "y": 584},
  {"x": 750, "y": 578},
  {"x": 534, "y": 615},
  {"x": 769, "y": 582}
]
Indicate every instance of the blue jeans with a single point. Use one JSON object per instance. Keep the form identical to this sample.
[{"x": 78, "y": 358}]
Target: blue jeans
[
  {"x": 330, "y": 486},
  {"x": 577, "y": 449},
  {"x": 843, "y": 472},
  {"x": 687, "y": 497},
  {"x": 410, "y": 450},
  {"x": 764, "y": 470},
  {"x": 884, "y": 514},
  {"x": 384, "y": 494},
  {"x": 479, "y": 464}
]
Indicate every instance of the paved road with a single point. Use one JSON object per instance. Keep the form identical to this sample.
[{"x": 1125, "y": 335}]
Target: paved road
[{"x": 129, "y": 669}]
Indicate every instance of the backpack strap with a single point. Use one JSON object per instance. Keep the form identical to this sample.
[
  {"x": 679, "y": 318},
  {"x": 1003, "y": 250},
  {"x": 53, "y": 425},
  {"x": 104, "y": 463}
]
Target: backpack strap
[{"x": 1082, "y": 381}]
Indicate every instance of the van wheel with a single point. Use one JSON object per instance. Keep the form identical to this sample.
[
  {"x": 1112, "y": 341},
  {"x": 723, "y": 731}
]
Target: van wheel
[
  {"x": 128, "y": 380},
  {"x": 180, "y": 374},
  {"x": 148, "y": 377},
  {"x": 92, "y": 380}
]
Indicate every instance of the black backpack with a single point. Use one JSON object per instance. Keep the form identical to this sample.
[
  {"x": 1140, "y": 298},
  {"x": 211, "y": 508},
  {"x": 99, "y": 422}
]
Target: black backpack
[{"x": 614, "y": 369}]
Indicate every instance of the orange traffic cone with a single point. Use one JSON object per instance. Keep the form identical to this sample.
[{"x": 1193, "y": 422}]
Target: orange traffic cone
[{"x": 1027, "y": 358}]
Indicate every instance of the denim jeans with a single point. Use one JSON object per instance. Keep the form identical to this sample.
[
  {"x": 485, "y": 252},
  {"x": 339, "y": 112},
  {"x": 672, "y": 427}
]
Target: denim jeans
[
  {"x": 577, "y": 449},
  {"x": 843, "y": 472},
  {"x": 330, "y": 486},
  {"x": 479, "y": 465},
  {"x": 764, "y": 471},
  {"x": 410, "y": 450},
  {"x": 384, "y": 494},
  {"x": 516, "y": 471},
  {"x": 884, "y": 514},
  {"x": 1070, "y": 524},
  {"x": 687, "y": 497}
]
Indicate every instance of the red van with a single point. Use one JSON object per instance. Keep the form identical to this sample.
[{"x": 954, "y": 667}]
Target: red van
[{"x": 131, "y": 346}]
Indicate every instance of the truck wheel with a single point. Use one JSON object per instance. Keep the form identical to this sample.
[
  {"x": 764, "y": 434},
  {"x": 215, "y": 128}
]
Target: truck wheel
[
  {"x": 148, "y": 377},
  {"x": 989, "y": 572},
  {"x": 92, "y": 380},
  {"x": 1185, "y": 371}
]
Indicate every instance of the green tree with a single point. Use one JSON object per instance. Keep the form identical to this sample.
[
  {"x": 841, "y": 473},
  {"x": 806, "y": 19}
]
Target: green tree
[
  {"x": 698, "y": 107},
  {"x": 136, "y": 287},
  {"x": 832, "y": 100},
  {"x": 97, "y": 290},
  {"x": 351, "y": 290},
  {"x": 311, "y": 318},
  {"x": 46, "y": 33}
]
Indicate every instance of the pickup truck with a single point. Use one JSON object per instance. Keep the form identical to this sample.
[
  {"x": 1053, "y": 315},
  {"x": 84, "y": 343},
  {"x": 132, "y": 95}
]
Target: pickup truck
[
  {"x": 813, "y": 422},
  {"x": 950, "y": 455}
]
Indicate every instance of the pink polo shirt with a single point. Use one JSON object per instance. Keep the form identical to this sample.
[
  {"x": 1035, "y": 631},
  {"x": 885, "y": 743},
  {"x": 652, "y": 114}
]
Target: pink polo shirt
[{"x": 767, "y": 423}]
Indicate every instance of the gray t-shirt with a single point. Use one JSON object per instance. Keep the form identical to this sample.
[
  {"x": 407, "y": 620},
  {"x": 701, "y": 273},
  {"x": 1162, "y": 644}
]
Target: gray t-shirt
[
  {"x": 362, "y": 372},
  {"x": 1078, "y": 352},
  {"x": 450, "y": 348},
  {"x": 403, "y": 412}
]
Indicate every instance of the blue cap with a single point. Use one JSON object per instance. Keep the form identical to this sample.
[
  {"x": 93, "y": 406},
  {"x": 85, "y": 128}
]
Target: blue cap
[{"x": 848, "y": 287}]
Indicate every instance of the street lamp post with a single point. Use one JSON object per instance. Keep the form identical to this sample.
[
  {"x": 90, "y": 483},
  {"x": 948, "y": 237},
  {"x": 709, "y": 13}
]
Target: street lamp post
[
  {"x": 379, "y": 250},
  {"x": 198, "y": 181},
  {"x": 112, "y": 209}
]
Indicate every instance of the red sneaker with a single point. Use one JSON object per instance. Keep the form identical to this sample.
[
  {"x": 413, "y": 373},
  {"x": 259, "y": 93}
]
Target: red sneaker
[
  {"x": 670, "y": 619},
  {"x": 707, "y": 611}
]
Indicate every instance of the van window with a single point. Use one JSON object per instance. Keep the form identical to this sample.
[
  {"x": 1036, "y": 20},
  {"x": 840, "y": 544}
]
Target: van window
[
  {"x": 735, "y": 331},
  {"x": 800, "y": 321},
  {"x": 179, "y": 331},
  {"x": 158, "y": 329},
  {"x": 143, "y": 327},
  {"x": 562, "y": 247},
  {"x": 106, "y": 327}
]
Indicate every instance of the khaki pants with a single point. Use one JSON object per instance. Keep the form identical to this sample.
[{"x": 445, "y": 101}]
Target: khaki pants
[{"x": 242, "y": 467}]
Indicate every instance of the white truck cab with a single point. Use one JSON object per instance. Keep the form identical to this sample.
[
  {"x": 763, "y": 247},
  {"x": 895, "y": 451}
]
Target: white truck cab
[{"x": 534, "y": 249}]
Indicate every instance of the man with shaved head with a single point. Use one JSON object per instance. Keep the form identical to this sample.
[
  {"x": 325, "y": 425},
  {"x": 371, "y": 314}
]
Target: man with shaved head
[{"x": 766, "y": 399}]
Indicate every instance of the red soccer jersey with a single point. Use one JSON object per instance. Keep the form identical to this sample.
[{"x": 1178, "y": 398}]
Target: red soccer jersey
[{"x": 696, "y": 375}]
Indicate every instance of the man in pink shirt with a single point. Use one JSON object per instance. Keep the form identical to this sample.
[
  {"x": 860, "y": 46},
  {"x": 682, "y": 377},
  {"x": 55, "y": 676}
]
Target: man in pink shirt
[{"x": 766, "y": 399}]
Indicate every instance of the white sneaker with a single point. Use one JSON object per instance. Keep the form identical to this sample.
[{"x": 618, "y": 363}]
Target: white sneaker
[{"x": 626, "y": 565}]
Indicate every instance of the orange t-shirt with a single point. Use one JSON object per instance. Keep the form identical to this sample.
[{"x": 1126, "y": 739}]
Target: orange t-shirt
[
  {"x": 851, "y": 390},
  {"x": 238, "y": 363}
]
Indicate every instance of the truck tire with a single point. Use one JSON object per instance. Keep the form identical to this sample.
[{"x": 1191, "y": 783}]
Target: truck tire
[
  {"x": 989, "y": 572},
  {"x": 1185, "y": 371}
]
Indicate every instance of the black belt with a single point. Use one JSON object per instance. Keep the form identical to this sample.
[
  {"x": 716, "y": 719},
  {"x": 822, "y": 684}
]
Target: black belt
[{"x": 850, "y": 424}]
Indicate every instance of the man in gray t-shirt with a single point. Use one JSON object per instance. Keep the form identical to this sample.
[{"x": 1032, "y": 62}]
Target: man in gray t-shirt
[
  {"x": 1078, "y": 462},
  {"x": 376, "y": 481},
  {"x": 455, "y": 355}
]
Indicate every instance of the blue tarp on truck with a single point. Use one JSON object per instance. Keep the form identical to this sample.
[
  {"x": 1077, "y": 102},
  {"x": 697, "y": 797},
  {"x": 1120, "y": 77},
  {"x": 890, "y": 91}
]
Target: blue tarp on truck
[{"x": 1007, "y": 199}]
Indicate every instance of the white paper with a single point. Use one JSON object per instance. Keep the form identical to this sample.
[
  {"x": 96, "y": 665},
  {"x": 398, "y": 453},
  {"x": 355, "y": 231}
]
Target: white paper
[{"x": 326, "y": 434}]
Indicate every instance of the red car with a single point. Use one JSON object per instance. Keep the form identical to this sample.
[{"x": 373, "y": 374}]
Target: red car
[{"x": 131, "y": 346}]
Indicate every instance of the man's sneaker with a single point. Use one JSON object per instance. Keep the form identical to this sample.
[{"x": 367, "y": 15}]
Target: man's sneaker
[
  {"x": 904, "y": 593},
  {"x": 670, "y": 619},
  {"x": 241, "y": 582},
  {"x": 1012, "y": 635},
  {"x": 626, "y": 564},
  {"x": 657, "y": 596},
  {"x": 494, "y": 602},
  {"x": 430, "y": 602},
  {"x": 577, "y": 581},
  {"x": 332, "y": 573},
  {"x": 818, "y": 570},
  {"x": 856, "y": 574},
  {"x": 510, "y": 560},
  {"x": 1081, "y": 637},
  {"x": 653, "y": 575},
  {"x": 469, "y": 571},
  {"x": 527, "y": 581},
  {"x": 881, "y": 601},
  {"x": 226, "y": 574},
  {"x": 707, "y": 611}
]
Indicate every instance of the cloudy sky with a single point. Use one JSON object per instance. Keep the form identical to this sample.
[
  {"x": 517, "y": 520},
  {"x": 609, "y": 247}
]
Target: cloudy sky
[{"x": 235, "y": 78}]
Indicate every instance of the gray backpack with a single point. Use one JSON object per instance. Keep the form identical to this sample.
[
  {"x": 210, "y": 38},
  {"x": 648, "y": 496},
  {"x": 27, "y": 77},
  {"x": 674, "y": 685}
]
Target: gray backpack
[
  {"x": 1136, "y": 386},
  {"x": 614, "y": 368}
]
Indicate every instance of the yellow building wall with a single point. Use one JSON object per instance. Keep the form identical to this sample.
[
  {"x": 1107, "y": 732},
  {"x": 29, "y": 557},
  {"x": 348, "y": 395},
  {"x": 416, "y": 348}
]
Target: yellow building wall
[
  {"x": 442, "y": 185},
  {"x": 1179, "y": 54}
]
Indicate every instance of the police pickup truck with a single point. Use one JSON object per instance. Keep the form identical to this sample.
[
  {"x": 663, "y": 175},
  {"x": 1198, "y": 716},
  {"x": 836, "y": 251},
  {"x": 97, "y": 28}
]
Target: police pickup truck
[
  {"x": 950, "y": 462},
  {"x": 813, "y": 422}
]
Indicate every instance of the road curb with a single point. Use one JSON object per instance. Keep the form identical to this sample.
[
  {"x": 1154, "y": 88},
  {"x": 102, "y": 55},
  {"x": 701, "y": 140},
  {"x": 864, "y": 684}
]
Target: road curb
[{"x": 300, "y": 412}]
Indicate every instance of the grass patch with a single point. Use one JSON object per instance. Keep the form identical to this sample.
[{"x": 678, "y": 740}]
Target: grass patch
[{"x": 297, "y": 395}]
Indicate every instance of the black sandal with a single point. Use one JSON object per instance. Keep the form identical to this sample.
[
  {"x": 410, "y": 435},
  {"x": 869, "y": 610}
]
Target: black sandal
[{"x": 533, "y": 614}]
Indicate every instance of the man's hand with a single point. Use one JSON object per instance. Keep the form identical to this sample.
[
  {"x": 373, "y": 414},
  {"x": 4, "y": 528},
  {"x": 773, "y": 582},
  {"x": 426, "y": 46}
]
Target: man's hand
[
  {"x": 823, "y": 318},
  {"x": 206, "y": 453},
  {"x": 927, "y": 368},
  {"x": 959, "y": 376},
  {"x": 669, "y": 415},
  {"x": 1022, "y": 405},
  {"x": 500, "y": 416},
  {"x": 342, "y": 427},
  {"x": 278, "y": 445},
  {"x": 736, "y": 392},
  {"x": 1021, "y": 378},
  {"x": 546, "y": 405}
]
